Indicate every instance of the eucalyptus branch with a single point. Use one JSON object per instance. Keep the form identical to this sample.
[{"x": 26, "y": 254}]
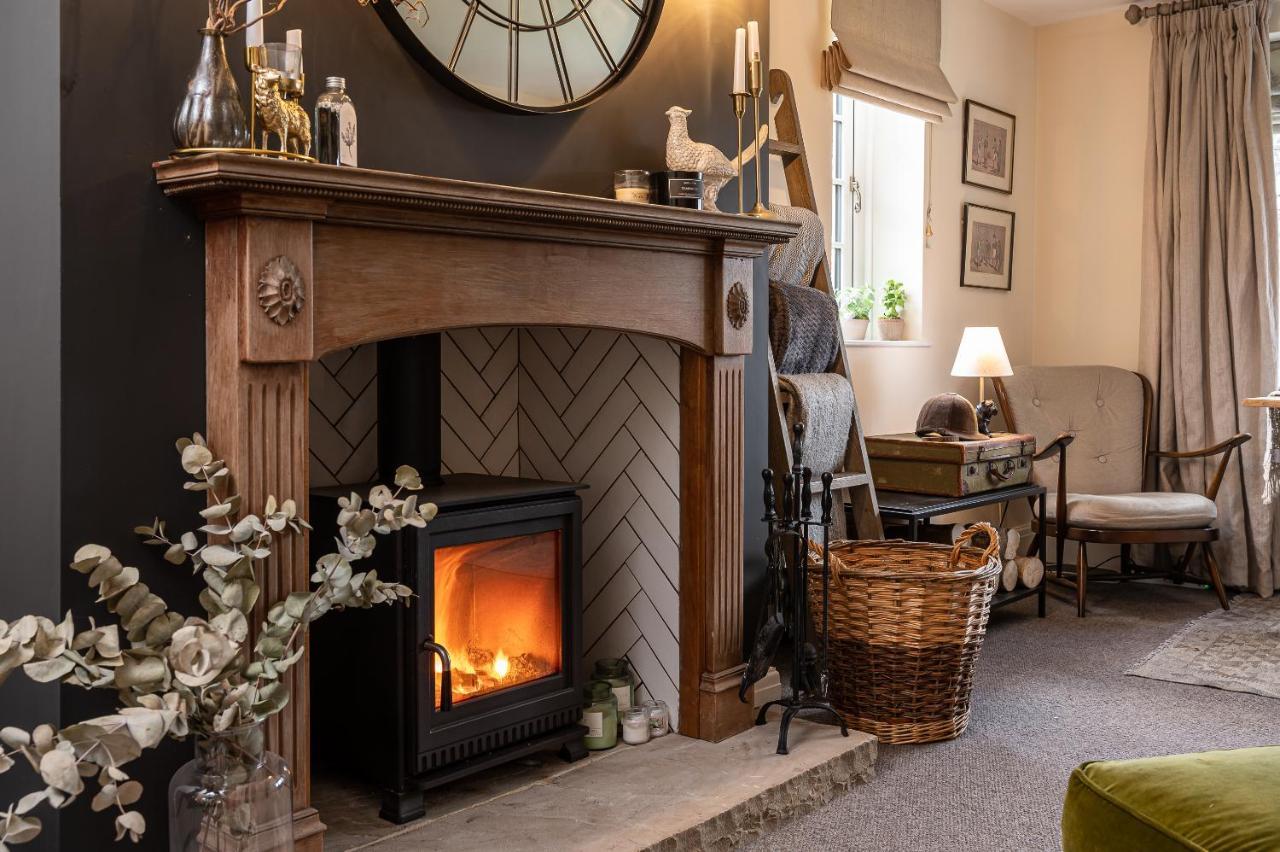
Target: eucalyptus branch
[{"x": 179, "y": 673}]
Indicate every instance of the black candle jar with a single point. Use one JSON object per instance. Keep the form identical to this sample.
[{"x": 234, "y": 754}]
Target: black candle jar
[{"x": 678, "y": 189}]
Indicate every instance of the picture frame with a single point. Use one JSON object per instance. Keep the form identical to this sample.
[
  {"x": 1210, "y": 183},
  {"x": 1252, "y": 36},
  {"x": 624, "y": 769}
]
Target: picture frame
[
  {"x": 986, "y": 254},
  {"x": 990, "y": 137}
]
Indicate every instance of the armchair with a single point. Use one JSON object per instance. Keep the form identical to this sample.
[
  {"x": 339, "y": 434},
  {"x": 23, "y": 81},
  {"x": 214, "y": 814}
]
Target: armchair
[{"x": 1100, "y": 490}]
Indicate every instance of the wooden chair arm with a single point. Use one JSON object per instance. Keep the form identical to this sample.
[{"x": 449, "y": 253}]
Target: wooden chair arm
[
  {"x": 1223, "y": 448},
  {"x": 1220, "y": 447},
  {"x": 1058, "y": 447}
]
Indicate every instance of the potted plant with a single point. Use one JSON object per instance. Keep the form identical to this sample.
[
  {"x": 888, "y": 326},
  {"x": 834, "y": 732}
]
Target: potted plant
[
  {"x": 856, "y": 304},
  {"x": 892, "y": 301}
]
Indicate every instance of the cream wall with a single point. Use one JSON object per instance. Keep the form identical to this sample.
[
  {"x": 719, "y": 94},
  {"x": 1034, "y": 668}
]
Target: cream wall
[
  {"x": 988, "y": 56},
  {"x": 1091, "y": 130}
]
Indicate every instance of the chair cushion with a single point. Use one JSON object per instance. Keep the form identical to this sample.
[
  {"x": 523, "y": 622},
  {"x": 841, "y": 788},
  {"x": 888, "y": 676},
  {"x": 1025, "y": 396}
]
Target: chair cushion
[
  {"x": 1153, "y": 510},
  {"x": 1215, "y": 800},
  {"x": 1101, "y": 407}
]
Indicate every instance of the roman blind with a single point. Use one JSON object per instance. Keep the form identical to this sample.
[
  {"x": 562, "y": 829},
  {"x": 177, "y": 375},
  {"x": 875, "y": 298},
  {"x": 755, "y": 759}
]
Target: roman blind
[{"x": 887, "y": 53}]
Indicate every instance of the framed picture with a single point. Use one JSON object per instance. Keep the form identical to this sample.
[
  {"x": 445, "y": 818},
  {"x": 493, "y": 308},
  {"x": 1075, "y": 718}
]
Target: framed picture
[
  {"x": 988, "y": 147},
  {"x": 986, "y": 258}
]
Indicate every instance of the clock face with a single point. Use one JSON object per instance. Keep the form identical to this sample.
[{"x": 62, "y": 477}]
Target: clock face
[{"x": 528, "y": 55}]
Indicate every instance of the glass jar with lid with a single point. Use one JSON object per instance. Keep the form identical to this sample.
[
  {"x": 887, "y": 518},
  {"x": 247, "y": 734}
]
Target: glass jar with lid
[
  {"x": 659, "y": 718},
  {"x": 600, "y": 716},
  {"x": 615, "y": 671},
  {"x": 335, "y": 124},
  {"x": 635, "y": 726}
]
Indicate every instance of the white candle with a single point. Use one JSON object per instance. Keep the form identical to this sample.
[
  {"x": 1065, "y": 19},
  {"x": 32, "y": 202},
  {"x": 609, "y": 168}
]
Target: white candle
[
  {"x": 740, "y": 61},
  {"x": 294, "y": 37},
  {"x": 253, "y": 34},
  {"x": 753, "y": 39}
]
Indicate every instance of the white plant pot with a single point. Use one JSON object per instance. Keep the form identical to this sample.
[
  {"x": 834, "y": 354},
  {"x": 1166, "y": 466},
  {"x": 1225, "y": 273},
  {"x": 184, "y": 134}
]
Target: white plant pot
[
  {"x": 891, "y": 329},
  {"x": 854, "y": 329}
]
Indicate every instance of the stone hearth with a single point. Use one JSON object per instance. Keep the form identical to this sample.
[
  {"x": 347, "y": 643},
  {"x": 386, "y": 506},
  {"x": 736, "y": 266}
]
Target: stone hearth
[{"x": 675, "y": 793}]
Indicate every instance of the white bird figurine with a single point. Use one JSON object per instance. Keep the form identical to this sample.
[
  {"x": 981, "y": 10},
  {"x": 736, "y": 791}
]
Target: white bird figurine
[{"x": 683, "y": 154}]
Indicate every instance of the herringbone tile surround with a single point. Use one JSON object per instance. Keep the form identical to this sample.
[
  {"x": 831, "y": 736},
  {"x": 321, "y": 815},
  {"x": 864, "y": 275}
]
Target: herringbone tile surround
[{"x": 563, "y": 404}]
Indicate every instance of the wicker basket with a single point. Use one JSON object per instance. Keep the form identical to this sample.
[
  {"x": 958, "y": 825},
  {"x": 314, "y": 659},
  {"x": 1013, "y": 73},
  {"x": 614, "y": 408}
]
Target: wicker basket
[{"x": 906, "y": 625}]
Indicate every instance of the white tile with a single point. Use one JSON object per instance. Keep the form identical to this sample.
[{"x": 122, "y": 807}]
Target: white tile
[{"x": 654, "y": 491}]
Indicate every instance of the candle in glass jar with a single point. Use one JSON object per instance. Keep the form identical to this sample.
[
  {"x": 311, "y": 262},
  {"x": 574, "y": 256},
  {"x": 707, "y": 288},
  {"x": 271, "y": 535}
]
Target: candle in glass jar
[
  {"x": 635, "y": 726},
  {"x": 740, "y": 61},
  {"x": 631, "y": 185}
]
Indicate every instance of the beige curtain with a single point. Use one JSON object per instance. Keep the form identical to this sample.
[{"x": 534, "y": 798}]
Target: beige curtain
[{"x": 1209, "y": 263}]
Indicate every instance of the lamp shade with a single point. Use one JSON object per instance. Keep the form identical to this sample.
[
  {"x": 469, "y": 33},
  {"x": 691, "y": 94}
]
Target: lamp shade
[{"x": 981, "y": 354}]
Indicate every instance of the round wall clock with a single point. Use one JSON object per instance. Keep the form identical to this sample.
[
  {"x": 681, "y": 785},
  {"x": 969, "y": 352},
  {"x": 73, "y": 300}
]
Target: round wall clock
[{"x": 528, "y": 56}]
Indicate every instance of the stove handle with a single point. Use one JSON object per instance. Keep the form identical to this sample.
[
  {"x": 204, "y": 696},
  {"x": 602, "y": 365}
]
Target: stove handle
[{"x": 446, "y": 674}]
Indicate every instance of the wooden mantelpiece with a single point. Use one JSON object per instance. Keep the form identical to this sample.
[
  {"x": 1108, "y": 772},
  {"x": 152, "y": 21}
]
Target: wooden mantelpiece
[{"x": 302, "y": 259}]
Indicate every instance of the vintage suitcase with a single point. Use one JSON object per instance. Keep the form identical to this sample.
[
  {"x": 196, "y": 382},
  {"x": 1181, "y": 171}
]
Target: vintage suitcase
[{"x": 950, "y": 468}]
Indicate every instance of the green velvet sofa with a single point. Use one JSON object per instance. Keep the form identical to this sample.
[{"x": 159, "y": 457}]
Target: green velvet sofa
[{"x": 1212, "y": 801}]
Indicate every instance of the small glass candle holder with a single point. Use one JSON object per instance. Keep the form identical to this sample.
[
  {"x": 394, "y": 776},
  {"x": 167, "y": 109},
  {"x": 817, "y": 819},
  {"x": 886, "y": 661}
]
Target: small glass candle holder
[
  {"x": 659, "y": 718},
  {"x": 631, "y": 185},
  {"x": 635, "y": 726}
]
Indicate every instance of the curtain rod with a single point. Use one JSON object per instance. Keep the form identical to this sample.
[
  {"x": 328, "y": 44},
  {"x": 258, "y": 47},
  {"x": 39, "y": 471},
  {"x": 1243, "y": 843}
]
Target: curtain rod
[{"x": 1135, "y": 13}]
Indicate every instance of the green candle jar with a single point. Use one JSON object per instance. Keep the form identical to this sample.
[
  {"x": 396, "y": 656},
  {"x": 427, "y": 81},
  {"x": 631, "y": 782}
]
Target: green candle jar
[
  {"x": 600, "y": 716},
  {"x": 615, "y": 672}
]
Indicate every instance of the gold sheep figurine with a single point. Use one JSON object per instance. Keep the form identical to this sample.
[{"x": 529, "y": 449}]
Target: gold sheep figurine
[{"x": 279, "y": 115}]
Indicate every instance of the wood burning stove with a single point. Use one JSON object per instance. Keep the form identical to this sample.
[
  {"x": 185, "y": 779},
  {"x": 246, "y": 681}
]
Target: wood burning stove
[{"x": 486, "y": 665}]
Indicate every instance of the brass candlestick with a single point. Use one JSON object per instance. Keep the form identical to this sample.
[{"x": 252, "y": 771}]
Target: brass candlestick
[
  {"x": 739, "y": 110},
  {"x": 756, "y": 82}
]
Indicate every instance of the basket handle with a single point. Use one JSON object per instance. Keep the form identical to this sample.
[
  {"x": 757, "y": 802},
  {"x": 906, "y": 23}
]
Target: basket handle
[{"x": 966, "y": 537}]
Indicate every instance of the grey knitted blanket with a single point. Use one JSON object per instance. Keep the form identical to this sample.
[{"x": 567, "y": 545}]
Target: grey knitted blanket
[
  {"x": 823, "y": 402},
  {"x": 804, "y": 329}
]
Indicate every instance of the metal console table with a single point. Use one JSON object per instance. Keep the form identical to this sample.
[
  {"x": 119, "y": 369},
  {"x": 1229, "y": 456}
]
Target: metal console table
[{"x": 917, "y": 509}]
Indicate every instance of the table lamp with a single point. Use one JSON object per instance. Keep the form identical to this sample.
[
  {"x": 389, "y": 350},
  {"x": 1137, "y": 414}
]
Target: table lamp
[{"x": 982, "y": 354}]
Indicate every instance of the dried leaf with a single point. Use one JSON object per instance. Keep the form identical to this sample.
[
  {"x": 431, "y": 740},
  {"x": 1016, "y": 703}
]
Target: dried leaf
[
  {"x": 46, "y": 671},
  {"x": 195, "y": 457},
  {"x": 58, "y": 770},
  {"x": 175, "y": 554},
  {"x": 88, "y": 557},
  {"x": 407, "y": 477},
  {"x": 131, "y": 823}
]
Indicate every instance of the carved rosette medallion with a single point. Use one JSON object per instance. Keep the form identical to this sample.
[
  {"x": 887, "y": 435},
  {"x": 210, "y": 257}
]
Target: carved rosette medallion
[
  {"x": 280, "y": 290},
  {"x": 737, "y": 306}
]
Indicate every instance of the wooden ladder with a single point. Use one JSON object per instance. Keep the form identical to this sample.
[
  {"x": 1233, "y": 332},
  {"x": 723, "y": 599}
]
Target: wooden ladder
[{"x": 853, "y": 485}]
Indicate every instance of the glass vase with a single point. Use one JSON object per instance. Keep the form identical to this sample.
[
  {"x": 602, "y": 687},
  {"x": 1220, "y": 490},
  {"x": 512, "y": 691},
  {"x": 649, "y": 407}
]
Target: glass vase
[
  {"x": 211, "y": 115},
  {"x": 235, "y": 796}
]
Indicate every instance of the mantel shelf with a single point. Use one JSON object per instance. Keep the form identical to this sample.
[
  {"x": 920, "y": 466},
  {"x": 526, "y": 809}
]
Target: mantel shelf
[{"x": 209, "y": 178}]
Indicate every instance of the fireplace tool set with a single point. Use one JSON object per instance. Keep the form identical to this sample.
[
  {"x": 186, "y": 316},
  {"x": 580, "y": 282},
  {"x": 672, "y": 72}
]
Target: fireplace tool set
[{"x": 786, "y": 607}]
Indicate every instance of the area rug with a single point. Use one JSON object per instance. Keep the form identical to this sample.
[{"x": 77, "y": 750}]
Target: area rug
[{"x": 1238, "y": 650}]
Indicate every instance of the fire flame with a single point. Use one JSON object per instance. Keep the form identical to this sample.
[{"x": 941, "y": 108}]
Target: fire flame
[{"x": 501, "y": 665}]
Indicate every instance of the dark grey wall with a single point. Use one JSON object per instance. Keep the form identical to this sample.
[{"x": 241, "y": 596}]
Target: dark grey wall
[
  {"x": 132, "y": 277},
  {"x": 29, "y": 351}
]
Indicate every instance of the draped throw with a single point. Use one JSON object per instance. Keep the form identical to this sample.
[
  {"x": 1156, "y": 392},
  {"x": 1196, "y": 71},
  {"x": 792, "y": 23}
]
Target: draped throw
[
  {"x": 1210, "y": 303},
  {"x": 887, "y": 53}
]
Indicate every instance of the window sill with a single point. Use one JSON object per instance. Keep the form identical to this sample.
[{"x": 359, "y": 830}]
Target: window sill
[{"x": 887, "y": 344}]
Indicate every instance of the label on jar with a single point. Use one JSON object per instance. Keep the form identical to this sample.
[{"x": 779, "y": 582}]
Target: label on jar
[
  {"x": 594, "y": 720},
  {"x": 348, "y": 152},
  {"x": 623, "y": 694},
  {"x": 684, "y": 188}
]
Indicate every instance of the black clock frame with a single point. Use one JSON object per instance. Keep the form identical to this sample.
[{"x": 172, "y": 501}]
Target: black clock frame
[{"x": 410, "y": 42}]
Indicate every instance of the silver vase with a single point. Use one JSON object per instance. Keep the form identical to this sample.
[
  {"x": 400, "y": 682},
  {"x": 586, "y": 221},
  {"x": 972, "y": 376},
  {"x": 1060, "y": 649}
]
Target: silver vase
[{"x": 211, "y": 115}]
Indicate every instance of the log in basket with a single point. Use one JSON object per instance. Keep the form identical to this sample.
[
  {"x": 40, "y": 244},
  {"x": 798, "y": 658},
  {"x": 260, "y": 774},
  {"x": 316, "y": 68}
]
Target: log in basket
[{"x": 907, "y": 622}]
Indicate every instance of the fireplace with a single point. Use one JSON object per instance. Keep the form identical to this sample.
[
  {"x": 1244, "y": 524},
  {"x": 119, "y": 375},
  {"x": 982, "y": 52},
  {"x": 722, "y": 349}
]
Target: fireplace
[
  {"x": 378, "y": 255},
  {"x": 485, "y": 666}
]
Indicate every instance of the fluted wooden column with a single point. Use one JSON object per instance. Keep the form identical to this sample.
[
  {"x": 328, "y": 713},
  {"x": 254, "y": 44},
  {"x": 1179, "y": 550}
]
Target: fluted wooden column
[
  {"x": 256, "y": 409},
  {"x": 711, "y": 511}
]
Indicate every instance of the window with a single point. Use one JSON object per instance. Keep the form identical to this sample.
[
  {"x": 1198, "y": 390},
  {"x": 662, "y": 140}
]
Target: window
[{"x": 878, "y": 202}]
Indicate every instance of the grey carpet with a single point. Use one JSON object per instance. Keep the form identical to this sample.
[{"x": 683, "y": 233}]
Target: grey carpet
[
  {"x": 1049, "y": 695},
  {"x": 1236, "y": 649}
]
